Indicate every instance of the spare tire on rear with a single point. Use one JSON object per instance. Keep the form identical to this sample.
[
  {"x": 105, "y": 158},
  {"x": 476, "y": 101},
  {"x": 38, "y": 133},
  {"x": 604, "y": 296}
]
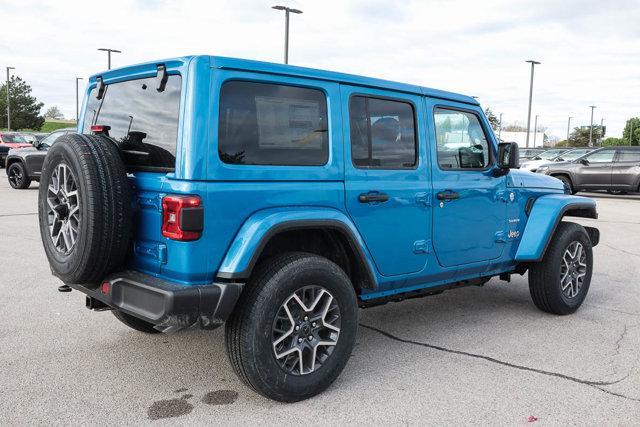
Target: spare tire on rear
[{"x": 84, "y": 208}]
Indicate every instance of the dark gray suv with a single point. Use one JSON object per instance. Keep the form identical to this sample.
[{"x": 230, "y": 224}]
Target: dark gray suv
[{"x": 615, "y": 169}]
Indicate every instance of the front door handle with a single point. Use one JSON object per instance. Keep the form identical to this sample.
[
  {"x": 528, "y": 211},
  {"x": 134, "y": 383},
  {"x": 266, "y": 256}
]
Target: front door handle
[
  {"x": 373, "y": 197},
  {"x": 447, "y": 195}
]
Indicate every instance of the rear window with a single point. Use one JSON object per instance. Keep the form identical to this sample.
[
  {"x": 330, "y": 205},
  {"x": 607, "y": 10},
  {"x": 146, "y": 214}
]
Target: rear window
[
  {"x": 141, "y": 119},
  {"x": 271, "y": 124},
  {"x": 629, "y": 156}
]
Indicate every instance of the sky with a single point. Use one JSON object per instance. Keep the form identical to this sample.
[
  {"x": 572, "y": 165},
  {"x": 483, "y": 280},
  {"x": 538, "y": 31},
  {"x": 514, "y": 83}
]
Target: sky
[{"x": 589, "y": 50}]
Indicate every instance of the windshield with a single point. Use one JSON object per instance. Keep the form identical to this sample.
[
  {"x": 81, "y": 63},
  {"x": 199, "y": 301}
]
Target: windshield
[
  {"x": 550, "y": 154},
  {"x": 13, "y": 138},
  {"x": 141, "y": 119}
]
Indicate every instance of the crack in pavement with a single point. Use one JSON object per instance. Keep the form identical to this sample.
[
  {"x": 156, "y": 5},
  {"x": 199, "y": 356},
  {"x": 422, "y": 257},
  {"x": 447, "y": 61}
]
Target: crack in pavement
[
  {"x": 621, "y": 250},
  {"x": 598, "y": 385},
  {"x": 18, "y": 214}
]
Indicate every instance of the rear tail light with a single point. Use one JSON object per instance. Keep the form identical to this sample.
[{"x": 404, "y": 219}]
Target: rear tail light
[
  {"x": 100, "y": 129},
  {"x": 182, "y": 217}
]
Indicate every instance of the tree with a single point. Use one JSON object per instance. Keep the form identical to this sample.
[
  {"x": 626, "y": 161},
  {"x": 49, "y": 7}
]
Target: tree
[
  {"x": 580, "y": 136},
  {"x": 25, "y": 108},
  {"x": 633, "y": 125},
  {"x": 493, "y": 120},
  {"x": 612, "y": 142},
  {"x": 53, "y": 113},
  {"x": 514, "y": 127}
]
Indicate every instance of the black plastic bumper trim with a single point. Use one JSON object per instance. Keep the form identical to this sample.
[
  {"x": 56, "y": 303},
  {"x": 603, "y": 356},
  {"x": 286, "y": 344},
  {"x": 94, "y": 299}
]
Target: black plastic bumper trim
[{"x": 169, "y": 306}]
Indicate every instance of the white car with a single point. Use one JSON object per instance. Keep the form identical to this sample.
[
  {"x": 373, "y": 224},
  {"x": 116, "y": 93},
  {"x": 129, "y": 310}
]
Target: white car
[{"x": 554, "y": 155}]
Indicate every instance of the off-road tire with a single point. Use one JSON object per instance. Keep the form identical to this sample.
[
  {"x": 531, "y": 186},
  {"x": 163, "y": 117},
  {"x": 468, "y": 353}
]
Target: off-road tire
[
  {"x": 545, "y": 276},
  {"x": 135, "y": 323},
  {"x": 23, "y": 182},
  {"x": 105, "y": 202},
  {"x": 249, "y": 330}
]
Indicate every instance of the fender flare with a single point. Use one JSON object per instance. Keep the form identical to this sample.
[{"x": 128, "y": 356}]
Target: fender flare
[
  {"x": 259, "y": 228},
  {"x": 546, "y": 214}
]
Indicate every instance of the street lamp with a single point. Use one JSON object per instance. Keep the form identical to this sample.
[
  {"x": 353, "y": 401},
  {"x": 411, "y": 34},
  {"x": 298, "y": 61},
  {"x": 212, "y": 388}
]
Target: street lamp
[
  {"x": 8, "y": 104},
  {"x": 568, "y": 127},
  {"x": 591, "y": 127},
  {"x": 535, "y": 131},
  {"x": 500, "y": 127},
  {"x": 287, "y": 10},
  {"x": 533, "y": 64},
  {"x": 77, "y": 100},
  {"x": 109, "y": 55},
  {"x": 601, "y": 130}
]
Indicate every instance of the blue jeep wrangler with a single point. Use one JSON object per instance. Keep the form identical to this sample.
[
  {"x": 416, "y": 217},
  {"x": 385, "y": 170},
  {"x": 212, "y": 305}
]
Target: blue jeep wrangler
[{"x": 278, "y": 199}]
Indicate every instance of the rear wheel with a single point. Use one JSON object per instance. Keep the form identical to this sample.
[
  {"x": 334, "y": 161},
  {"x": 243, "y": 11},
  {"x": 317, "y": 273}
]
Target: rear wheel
[
  {"x": 135, "y": 323},
  {"x": 17, "y": 175},
  {"x": 294, "y": 327},
  {"x": 560, "y": 282},
  {"x": 616, "y": 192}
]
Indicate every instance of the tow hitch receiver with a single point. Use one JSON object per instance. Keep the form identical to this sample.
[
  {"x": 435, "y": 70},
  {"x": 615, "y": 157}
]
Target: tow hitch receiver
[{"x": 97, "y": 305}]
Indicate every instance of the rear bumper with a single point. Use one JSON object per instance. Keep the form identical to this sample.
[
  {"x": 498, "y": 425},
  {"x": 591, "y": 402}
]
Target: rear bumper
[{"x": 169, "y": 306}]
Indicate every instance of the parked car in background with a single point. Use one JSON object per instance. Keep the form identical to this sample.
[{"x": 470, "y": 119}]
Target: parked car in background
[
  {"x": 29, "y": 137},
  {"x": 614, "y": 169},
  {"x": 529, "y": 153},
  {"x": 9, "y": 140},
  {"x": 308, "y": 194},
  {"x": 24, "y": 164},
  {"x": 532, "y": 165}
]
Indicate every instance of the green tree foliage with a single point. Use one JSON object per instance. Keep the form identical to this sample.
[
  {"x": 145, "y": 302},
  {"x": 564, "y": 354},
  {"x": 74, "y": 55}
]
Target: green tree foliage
[
  {"x": 25, "y": 108},
  {"x": 580, "y": 136},
  {"x": 53, "y": 113},
  {"x": 632, "y": 124},
  {"x": 612, "y": 142},
  {"x": 493, "y": 120},
  {"x": 563, "y": 143}
]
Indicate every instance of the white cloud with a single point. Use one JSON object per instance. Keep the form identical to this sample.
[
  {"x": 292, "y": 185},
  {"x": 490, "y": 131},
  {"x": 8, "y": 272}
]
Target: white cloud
[{"x": 590, "y": 50}]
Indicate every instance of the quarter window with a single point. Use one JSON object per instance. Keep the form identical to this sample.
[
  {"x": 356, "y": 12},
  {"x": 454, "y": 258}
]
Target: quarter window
[
  {"x": 382, "y": 133},
  {"x": 628, "y": 156},
  {"x": 460, "y": 140},
  {"x": 270, "y": 124}
]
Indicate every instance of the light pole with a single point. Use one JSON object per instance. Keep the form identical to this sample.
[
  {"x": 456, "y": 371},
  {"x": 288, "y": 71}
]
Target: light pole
[
  {"x": 535, "y": 131},
  {"x": 601, "y": 131},
  {"x": 500, "y": 127},
  {"x": 77, "y": 100},
  {"x": 568, "y": 128},
  {"x": 287, "y": 10},
  {"x": 533, "y": 64},
  {"x": 109, "y": 55},
  {"x": 8, "y": 103},
  {"x": 593, "y": 107}
]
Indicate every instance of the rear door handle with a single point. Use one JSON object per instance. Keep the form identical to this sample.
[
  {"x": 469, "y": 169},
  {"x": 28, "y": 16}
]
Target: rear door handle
[
  {"x": 448, "y": 195},
  {"x": 373, "y": 197}
]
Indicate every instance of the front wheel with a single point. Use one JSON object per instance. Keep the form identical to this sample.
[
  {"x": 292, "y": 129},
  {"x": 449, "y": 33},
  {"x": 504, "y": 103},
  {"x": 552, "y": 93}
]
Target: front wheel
[
  {"x": 567, "y": 183},
  {"x": 294, "y": 327},
  {"x": 17, "y": 175},
  {"x": 560, "y": 282}
]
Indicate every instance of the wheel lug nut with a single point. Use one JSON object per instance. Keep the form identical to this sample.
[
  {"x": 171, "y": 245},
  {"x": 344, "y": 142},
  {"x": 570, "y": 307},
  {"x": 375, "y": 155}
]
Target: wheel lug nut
[
  {"x": 314, "y": 324},
  {"x": 306, "y": 318},
  {"x": 297, "y": 328},
  {"x": 299, "y": 339},
  {"x": 310, "y": 337}
]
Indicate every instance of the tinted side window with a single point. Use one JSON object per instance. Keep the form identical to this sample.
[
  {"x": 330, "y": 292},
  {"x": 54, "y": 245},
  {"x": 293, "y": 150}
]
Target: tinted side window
[
  {"x": 604, "y": 156},
  {"x": 382, "y": 133},
  {"x": 460, "y": 140},
  {"x": 628, "y": 156},
  {"x": 270, "y": 124}
]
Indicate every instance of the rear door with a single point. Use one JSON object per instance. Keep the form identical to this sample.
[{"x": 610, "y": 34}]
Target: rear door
[
  {"x": 386, "y": 184},
  {"x": 470, "y": 209},
  {"x": 625, "y": 172},
  {"x": 596, "y": 172}
]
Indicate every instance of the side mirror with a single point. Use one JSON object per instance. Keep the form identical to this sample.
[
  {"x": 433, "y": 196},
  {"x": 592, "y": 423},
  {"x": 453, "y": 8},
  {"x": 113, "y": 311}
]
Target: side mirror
[
  {"x": 584, "y": 162},
  {"x": 508, "y": 155}
]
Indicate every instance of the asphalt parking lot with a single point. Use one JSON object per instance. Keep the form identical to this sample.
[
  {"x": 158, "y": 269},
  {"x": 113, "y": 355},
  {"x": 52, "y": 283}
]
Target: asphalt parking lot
[{"x": 471, "y": 356}]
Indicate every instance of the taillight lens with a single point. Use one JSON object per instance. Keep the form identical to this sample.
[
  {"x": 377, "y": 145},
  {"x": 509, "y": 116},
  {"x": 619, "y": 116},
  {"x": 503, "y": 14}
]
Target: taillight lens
[{"x": 182, "y": 217}]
